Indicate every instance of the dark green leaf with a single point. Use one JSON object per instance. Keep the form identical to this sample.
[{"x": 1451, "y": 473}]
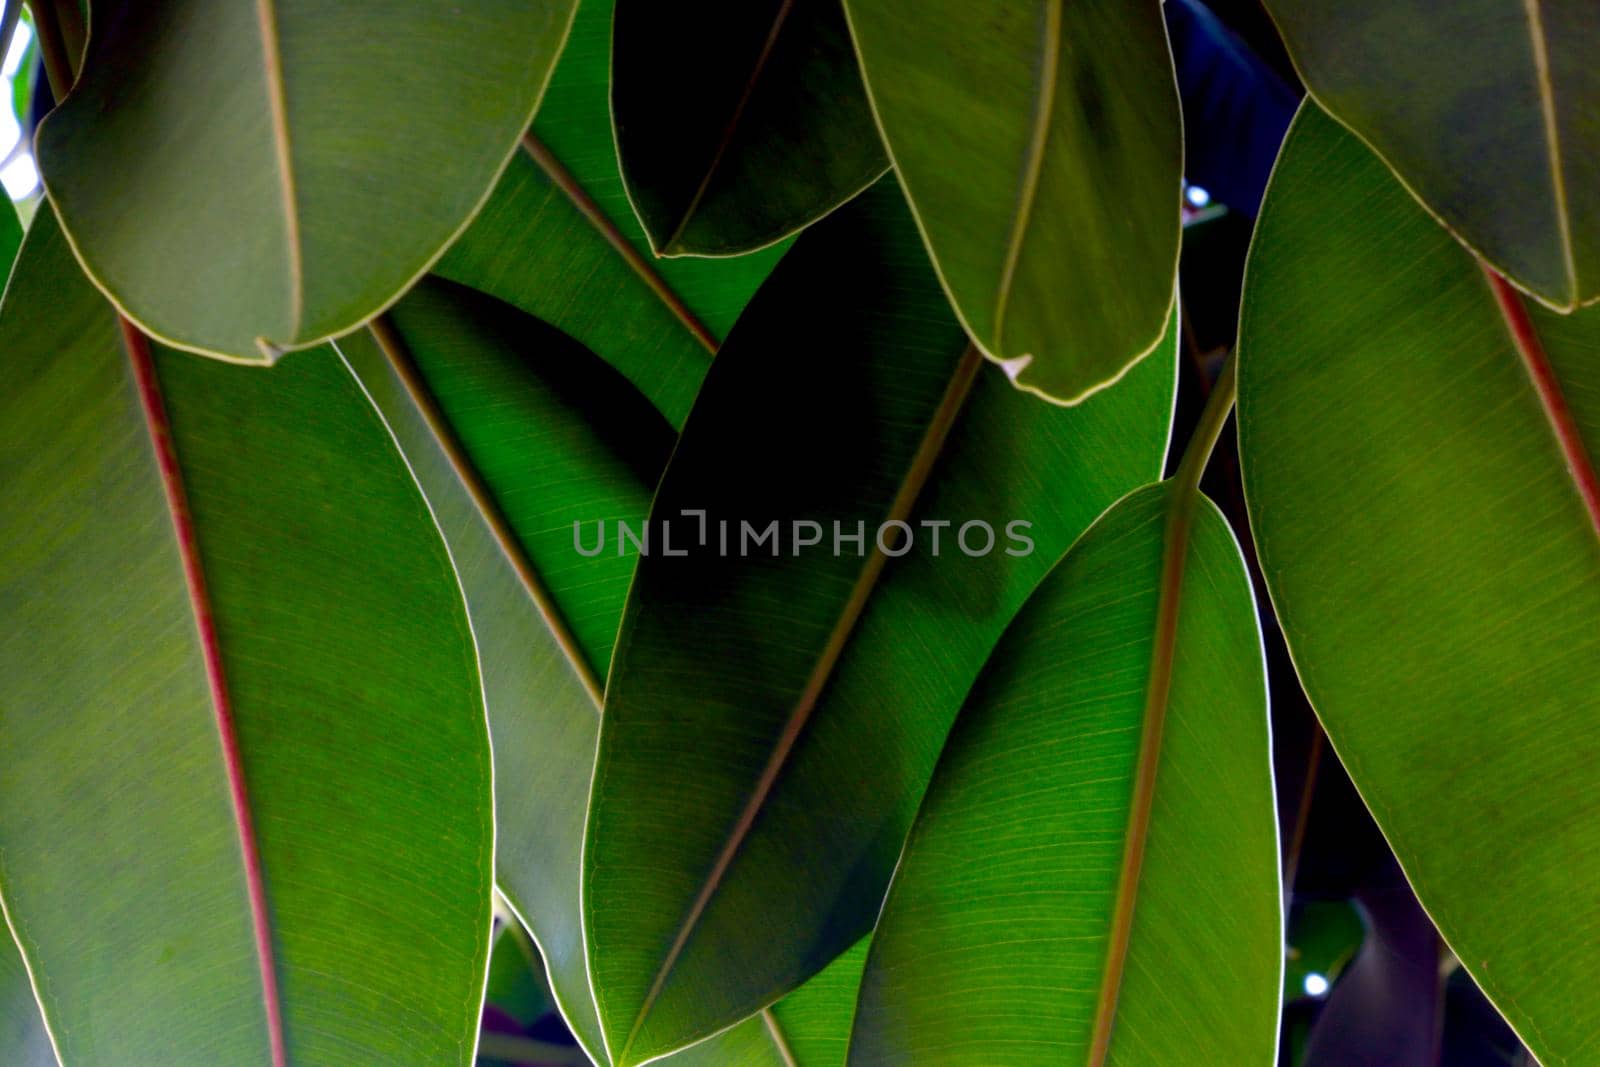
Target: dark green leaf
[
  {"x": 243, "y": 178},
  {"x": 1431, "y": 548},
  {"x": 738, "y": 121},
  {"x": 552, "y": 436},
  {"x": 1485, "y": 109},
  {"x": 737, "y": 841},
  {"x": 240, "y": 753},
  {"x": 534, "y": 246},
  {"x": 994, "y": 942},
  {"x": 1040, "y": 145}
]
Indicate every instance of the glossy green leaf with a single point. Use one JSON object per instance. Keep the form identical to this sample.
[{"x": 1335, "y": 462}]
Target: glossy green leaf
[
  {"x": 1432, "y": 553},
  {"x": 994, "y": 942},
  {"x": 1040, "y": 144},
  {"x": 1486, "y": 109},
  {"x": 244, "y": 178},
  {"x": 485, "y": 399},
  {"x": 548, "y": 241},
  {"x": 274, "y": 775},
  {"x": 759, "y": 768},
  {"x": 22, "y": 1033},
  {"x": 738, "y": 121},
  {"x": 808, "y": 1028},
  {"x": 555, "y": 437}
]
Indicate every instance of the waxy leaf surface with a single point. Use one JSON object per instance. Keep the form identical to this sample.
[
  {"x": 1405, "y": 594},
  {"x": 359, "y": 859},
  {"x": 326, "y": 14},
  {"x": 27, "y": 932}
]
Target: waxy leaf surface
[
  {"x": 1488, "y": 110},
  {"x": 242, "y": 178},
  {"x": 772, "y": 716},
  {"x": 1008, "y": 895},
  {"x": 1418, "y": 451},
  {"x": 1040, "y": 145},
  {"x": 533, "y": 245},
  {"x": 245, "y": 809}
]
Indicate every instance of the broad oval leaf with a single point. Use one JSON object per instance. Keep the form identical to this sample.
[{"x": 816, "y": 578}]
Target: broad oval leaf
[
  {"x": 515, "y": 434},
  {"x": 485, "y": 401},
  {"x": 1013, "y": 899},
  {"x": 758, "y": 768},
  {"x": 738, "y": 121},
  {"x": 1040, "y": 144},
  {"x": 245, "y": 807},
  {"x": 1484, "y": 108},
  {"x": 245, "y": 178},
  {"x": 1423, "y": 502},
  {"x": 559, "y": 239}
]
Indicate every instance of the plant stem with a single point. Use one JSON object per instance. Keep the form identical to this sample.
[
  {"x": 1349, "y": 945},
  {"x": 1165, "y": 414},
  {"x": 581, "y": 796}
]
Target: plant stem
[
  {"x": 52, "y": 49},
  {"x": 1182, "y": 503},
  {"x": 1219, "y": 405}
]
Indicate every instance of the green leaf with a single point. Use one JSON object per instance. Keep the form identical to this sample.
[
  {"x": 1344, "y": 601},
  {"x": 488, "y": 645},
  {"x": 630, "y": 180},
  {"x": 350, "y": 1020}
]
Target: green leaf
[
  {"x": 22, "y": 1032},
  {"x": 515, "y": 434},
  {"x": 738, "y": 842},
  {"x": 246, "y": 178},
  {"x": 550, "y": 436},
  {"x": 738, "y": 121},
  {"x": 1041, "y": 147},
  {"x": 516, "y": 987},
  {"x": 559, "y": 240},
  {"x": 1013, "y": 932},
  {"x": 808, "y": 1028},
  {"x": 1485, "y": 109},
  {"x": 241, "y": 724},
  {"x": 1425, "y": 510}
]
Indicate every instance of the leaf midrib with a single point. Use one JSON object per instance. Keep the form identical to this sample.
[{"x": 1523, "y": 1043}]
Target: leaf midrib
[
  {"x": 1552, "y": 135},
  {"x": 277, "y": 102},
  {"x": 1033, "y": 165},
  {"x": 921, "y": 466},
  {"x": 395, "y": 350},
  {"x": 732, "y": 126},
  {"x": 148, "y": 386},
  {"x": 1547, "y": 388},
  {"x": 1183, "y": 502}
]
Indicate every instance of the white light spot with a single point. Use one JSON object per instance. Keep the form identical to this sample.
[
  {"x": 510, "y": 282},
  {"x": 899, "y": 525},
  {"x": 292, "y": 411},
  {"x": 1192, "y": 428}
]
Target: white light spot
[
  {"x": 19, "y": 48},
  {"x": 1198, "y": 197},
  {"x": 1316, "y": 984},
  {"x": 20, "y": 177}
]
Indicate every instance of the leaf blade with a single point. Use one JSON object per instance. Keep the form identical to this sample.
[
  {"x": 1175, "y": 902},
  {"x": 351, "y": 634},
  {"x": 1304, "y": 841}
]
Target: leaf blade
[
  {"x": 740, "y": 678},
  {"x": 127, "y": 800},
  {"x": 1006, "y": 894},
  {"x": 1039, "y": 171},
  {"x": 185, "y": 187},
  {"x": 733, "y": 140},
  {"x": 1489, "y": 673}
]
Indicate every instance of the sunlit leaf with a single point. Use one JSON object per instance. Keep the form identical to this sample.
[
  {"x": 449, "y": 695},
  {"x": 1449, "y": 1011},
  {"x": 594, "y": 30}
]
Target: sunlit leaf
[
  {"x": 1013, "y": 896},
  {"x": 245, "y": 793},
  {"x": 1418, "y": 456},
  {"x": 759, "y": 765}
]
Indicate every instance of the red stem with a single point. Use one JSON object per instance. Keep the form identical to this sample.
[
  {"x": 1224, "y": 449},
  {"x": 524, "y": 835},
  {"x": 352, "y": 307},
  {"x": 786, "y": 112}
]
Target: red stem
[
  {"x": 1545, "y": 383},
  {"x": 149, "y": 386}
]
